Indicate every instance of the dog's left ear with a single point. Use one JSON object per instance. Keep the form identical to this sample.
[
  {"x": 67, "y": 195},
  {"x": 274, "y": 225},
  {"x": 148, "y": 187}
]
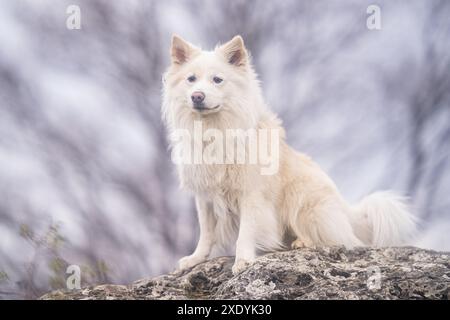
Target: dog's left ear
[{"x": 235, "y": 52}]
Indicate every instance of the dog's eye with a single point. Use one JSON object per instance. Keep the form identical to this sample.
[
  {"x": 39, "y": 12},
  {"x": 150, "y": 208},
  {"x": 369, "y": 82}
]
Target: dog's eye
[
  {"x": 191, "y": 79},
  {"x": 217, "y": 80}
]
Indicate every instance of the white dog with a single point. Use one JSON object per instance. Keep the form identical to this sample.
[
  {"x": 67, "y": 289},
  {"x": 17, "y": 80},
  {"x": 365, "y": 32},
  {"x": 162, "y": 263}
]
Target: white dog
[{"x": 296, "y": 204}]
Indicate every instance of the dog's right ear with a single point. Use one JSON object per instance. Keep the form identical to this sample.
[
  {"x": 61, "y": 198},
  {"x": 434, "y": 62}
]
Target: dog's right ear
[{"x": 181, "y": 51}]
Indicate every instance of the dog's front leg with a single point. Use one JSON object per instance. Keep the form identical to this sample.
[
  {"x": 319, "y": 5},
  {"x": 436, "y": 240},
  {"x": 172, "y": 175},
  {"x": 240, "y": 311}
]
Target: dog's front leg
[
  {"x": 207, "y": 221},
  {"x": 246, "y": 242}
]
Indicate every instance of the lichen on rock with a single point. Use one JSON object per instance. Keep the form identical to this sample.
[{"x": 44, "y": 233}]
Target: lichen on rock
[{"x": 325, "y": 273}]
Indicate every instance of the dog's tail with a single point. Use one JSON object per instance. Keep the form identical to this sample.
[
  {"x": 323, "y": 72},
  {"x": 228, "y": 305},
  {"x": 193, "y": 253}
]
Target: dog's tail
[{"x": 383, "y": 219}]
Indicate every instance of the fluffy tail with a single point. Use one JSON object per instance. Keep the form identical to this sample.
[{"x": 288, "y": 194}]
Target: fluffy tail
[{"x": 382, "y": 219}]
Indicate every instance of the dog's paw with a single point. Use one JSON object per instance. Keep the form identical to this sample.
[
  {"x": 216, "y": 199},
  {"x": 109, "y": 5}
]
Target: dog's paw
[
  {"x": 189, "y": 262},
  {"x": 240, "y": 265},
  {"x": 297, "y": 244},
  {"x": 301, "y": 243}
]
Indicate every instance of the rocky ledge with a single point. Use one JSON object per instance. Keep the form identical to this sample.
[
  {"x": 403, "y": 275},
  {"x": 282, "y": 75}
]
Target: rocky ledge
[{"x": 326, "y": 273}]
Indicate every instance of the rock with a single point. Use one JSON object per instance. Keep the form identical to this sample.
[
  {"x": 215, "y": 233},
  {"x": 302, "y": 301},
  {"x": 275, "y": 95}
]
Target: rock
[{"x": 326, "y": 273}]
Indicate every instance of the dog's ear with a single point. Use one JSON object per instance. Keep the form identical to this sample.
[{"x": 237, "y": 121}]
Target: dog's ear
[
  {"x": 235, "y": 52},
  {"x": 181, "y": 51}
]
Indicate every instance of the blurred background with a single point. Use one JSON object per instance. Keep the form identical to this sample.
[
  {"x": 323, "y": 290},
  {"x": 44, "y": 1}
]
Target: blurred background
[{"x": 85, "y": 175}]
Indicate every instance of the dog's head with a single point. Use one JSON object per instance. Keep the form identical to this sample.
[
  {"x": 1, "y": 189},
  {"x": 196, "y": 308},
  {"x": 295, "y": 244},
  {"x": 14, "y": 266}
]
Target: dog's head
[{"x": 209, "y": 82}]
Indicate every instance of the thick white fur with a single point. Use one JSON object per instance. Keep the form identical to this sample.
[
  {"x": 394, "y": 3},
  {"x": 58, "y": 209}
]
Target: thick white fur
[{"x": 299, "y": 206}]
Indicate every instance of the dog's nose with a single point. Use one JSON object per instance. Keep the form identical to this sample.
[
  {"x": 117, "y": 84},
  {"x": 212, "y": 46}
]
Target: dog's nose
[{"x": 198, "y": 97}]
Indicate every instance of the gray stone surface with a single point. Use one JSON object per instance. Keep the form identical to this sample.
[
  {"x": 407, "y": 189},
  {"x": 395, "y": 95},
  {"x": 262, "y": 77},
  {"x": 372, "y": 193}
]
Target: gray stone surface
[{"x": 326, "y": 273}]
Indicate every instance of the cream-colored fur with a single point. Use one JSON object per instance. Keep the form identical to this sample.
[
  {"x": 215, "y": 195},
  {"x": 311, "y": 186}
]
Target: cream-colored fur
[{"x": 298, "y": 206}]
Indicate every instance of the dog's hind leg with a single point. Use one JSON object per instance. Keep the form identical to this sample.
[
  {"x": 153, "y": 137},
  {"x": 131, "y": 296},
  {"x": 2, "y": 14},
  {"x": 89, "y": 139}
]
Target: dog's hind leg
[{"x": 326, "y": 224}]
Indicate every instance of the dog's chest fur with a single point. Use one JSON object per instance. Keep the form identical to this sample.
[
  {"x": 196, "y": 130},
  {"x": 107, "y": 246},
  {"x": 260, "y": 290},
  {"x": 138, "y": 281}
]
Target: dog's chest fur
[{"x": 220, "y": 184}]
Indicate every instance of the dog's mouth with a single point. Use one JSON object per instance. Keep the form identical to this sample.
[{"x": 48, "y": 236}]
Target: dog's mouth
[{"x": 203, "y": 109}]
